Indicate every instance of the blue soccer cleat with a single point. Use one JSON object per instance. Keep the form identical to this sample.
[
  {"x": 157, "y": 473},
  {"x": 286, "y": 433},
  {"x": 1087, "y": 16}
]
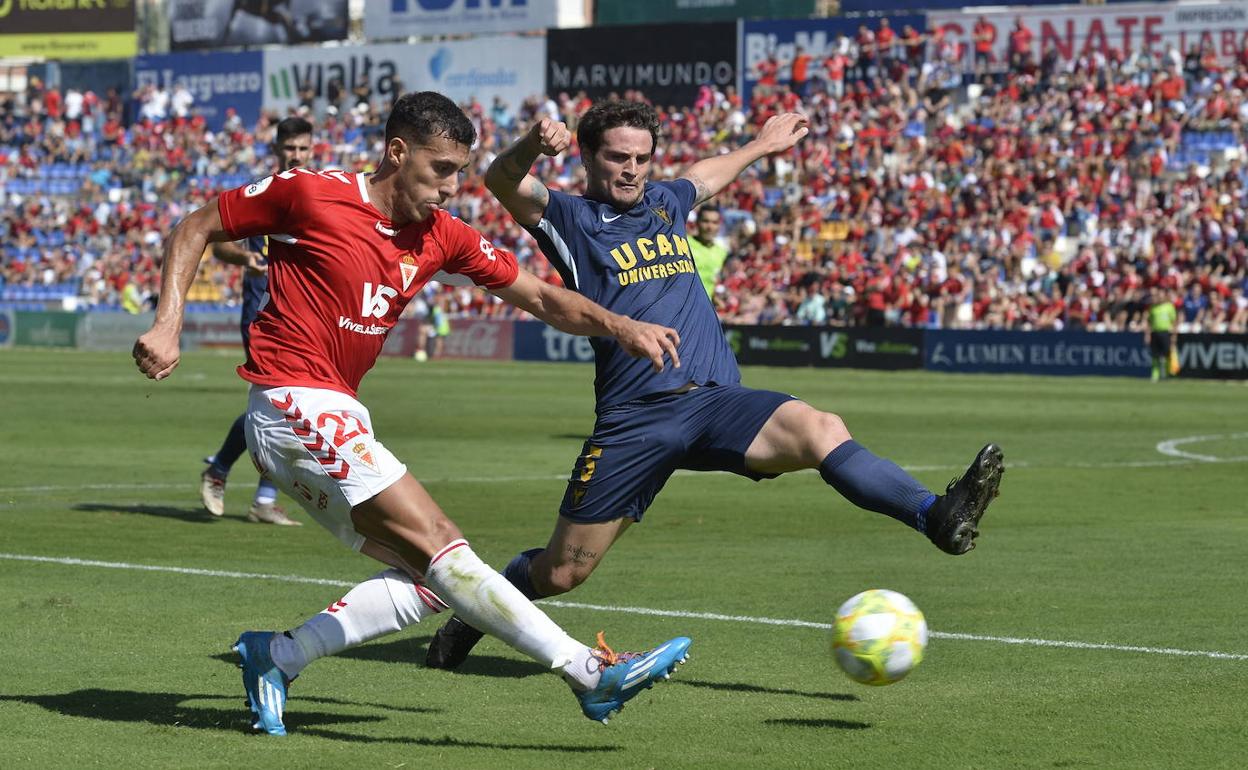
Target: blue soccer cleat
[
  {"x": 627, "y": 673},
  {"x": 264, "y": 682}
]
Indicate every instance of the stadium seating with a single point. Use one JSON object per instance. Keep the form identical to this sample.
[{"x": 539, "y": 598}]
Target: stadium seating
[{"x": 951, "y": 207}]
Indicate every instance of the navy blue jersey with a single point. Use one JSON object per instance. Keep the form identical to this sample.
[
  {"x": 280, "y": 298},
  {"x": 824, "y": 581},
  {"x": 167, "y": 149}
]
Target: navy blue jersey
[
  {"x": 638, "y": 263},
  {"x": 255, "y": 287}
]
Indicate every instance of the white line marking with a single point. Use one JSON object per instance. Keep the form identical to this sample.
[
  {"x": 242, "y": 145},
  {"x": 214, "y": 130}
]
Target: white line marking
[
  {"x": 1171, "y": 447},
  {"x": 71, "y": 562},
  {"x": 792, "y": 623}
]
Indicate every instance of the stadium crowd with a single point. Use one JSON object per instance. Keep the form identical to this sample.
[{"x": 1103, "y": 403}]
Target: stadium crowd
[{"x": 1046, "y": 195}]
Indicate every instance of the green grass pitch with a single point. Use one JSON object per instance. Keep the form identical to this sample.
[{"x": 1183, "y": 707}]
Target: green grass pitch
[{"x": 1121, "y": 567}]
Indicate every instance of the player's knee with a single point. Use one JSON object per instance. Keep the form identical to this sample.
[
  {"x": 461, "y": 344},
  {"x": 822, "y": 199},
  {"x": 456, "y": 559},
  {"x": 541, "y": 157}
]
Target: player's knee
[
  {"x": 560, "y": 578},
  {"x": 829, "y": 428}
]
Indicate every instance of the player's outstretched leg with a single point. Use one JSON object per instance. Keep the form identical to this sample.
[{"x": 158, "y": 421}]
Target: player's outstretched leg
[
  {"x": 953, "y": 520},
  {"x": 625, "y": 674},
  {"x": 451, "y": 644},
  {"x": 602, "y": 680},
  {"x": 264, "y": 682}
]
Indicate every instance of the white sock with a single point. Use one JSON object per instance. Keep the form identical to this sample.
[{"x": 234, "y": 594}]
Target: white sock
[
  {"x": 266, "y": 492},
  {"x": 485, "y": 600},
  {"x": 584, "y": 672},
  {"x": 387, "y": 602}
]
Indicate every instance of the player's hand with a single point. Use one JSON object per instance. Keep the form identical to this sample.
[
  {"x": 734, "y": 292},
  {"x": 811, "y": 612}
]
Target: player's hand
[
  {"x": 645, "y": 340},
  {"x": 256, "y": 264},
  {"x": 781, "y": 132},
  {"x": 157, "y": 353},
  {"x": 552, "y": 136}
]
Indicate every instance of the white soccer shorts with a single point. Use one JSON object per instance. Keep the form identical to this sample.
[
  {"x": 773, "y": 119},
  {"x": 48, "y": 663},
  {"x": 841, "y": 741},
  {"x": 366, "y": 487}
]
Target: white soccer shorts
[{"x": 317, "y": 446}]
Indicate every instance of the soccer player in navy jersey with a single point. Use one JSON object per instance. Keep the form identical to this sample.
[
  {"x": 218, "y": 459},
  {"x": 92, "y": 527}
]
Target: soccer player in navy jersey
[
  {"x": 292, "y": 148},
  {"x": 623, "y": 245}
]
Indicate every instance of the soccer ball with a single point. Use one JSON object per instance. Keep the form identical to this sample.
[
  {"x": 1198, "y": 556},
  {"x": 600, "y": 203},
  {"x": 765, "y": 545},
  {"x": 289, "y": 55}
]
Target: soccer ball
[{"x": 878, "y": 637}]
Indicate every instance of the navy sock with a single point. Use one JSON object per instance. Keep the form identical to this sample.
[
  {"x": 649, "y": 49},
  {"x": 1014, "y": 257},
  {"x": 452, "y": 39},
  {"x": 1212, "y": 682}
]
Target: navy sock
[
  {"x": 517, "y": 573},
  {"x": 233, "y": 448},
  {"x": 877, "y": 484}
]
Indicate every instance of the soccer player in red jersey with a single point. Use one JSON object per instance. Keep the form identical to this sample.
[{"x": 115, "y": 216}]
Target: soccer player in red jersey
[{"x": 347, "y": 252}]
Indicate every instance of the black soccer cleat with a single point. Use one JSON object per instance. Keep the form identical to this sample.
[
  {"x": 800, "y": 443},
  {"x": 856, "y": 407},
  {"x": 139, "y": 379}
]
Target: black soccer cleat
[
  {"x": 451, "y": 644},
  {"x": 953, "y": 520}
]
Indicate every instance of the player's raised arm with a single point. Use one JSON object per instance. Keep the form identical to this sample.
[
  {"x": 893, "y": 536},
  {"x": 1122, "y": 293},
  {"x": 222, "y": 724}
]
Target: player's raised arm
[
  {"x": 157, "y": 351},
  {"x": 713, "y": 174},
  {"x": 508, "y": 177},
  {"x": 572, "y": 313}
]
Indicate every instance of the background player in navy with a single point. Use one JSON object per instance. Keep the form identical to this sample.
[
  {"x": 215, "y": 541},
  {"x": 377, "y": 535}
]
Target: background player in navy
[
  {"x": 292, "y": 148},
  {"x": 623, "y": 245}
]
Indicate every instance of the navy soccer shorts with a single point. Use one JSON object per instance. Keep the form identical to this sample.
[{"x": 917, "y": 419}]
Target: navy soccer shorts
[{"x": 637, "y": 446}]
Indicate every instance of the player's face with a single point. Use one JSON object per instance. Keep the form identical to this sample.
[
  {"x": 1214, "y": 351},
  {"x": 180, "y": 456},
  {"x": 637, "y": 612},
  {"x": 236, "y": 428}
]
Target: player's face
[
  {"x": 428, "y": 176},
  {"x": 708, "y": 225},
  {"x": 294, "y": 152},
  {"x": 616, "y": 174}
]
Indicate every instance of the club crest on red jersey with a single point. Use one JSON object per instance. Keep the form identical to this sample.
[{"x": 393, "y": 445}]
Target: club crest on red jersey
[{"x": 409, "y": 268}]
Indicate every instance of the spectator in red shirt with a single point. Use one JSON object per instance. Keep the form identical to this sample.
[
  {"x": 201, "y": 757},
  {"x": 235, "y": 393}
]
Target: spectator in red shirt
[
  {"x": 885, "y": 37},
  {"x": 800, "y": 72},
  {"x": 983, "y": 35},
  {"x": 1020, "y": 45}
]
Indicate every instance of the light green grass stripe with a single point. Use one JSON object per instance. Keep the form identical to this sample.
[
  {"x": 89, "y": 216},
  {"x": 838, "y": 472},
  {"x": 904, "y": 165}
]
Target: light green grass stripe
[
  {"x": 69, "y": 561},
  {"x": 1196, "y": 460}
]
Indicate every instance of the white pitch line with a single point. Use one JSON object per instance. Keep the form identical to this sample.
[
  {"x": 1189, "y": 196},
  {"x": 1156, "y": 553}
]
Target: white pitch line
[
  {"x": 1171, "y": 447},
  {"x": 72, "y": 562},
  {"x": 787, "y": 622}
]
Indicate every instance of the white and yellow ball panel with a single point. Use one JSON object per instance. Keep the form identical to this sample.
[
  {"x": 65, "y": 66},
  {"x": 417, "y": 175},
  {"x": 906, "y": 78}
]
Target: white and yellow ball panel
[{"x": 878, "y": 637}]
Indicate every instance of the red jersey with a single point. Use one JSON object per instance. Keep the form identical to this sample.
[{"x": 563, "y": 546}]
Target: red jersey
[{"x": 340, "y": 275}]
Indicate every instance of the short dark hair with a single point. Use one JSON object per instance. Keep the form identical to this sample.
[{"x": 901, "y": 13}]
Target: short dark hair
[
  {"x": 291, "y": 127},
  {"x": 604, "y": 116},
  {"x": 709, "y": 209},
  {"x": 420, "y": 116}
]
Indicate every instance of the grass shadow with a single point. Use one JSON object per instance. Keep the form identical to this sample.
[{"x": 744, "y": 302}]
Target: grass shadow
[
  {"x": 837, "y": 724},
  {"x": 168, "y": 709},
  {"x": 191, "y": 515},
  {"x": 411, "y": 650},
  {"x": 448, "y": 741},
  {"x": 753, "y": 688}
]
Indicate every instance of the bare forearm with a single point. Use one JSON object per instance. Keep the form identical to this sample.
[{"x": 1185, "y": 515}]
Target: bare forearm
[
  {"x": 711, "y": 175},
  {"x": 182, "y": 255},
  {"x": 511, "y": 166},
  {"x": 183, "y": 251},
  {"x": 569, "y": 312},
  {"x": 509, "y": 180},
  {"x": 779, "y": 133}
]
